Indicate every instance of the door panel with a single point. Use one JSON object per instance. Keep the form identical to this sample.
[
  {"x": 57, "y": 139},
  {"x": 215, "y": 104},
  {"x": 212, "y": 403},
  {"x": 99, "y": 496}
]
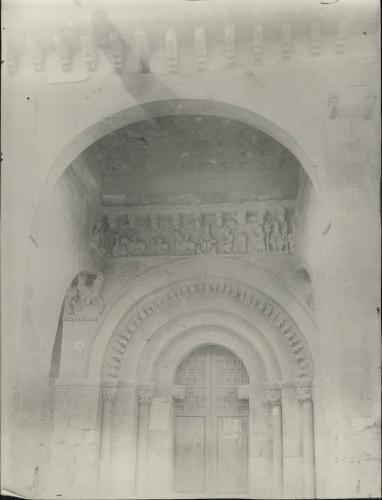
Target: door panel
[
  {"x": 232, "y": 454},
  {"x": 189, "y": 454},
  {"x": 211, "y": 424}
]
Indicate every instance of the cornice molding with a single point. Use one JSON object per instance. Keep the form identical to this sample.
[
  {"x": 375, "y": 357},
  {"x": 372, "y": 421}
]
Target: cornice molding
[{"x": 130, "y": 50}]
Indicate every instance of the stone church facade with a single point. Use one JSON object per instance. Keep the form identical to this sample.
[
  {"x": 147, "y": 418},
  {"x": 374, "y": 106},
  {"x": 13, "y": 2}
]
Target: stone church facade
[{"x": 191, "y": 250}]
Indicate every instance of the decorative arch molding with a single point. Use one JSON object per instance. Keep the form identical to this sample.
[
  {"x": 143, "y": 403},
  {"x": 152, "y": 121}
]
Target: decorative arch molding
[
  {"x": 183, "y": 341},
  {"x": 229, "y": 289}
]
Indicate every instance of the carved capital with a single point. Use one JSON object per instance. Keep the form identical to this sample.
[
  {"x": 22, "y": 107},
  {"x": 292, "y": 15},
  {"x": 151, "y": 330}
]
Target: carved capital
[
  {"x": 145, "y": 393},
  {"x": 178, "y": 392},
  {"x": 304, "y": 393},
  {"x": 273, "y": 394},
  {"x": 109, "y": 393}
]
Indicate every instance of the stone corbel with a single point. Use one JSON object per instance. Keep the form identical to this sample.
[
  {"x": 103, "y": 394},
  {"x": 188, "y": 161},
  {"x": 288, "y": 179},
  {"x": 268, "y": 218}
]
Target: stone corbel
[
  {"x": 12, "y": 57},
  {"x": 201, "y": 48},
  {"x": 143, "y": 50},
  {"x": 258, "y": 43},
  {"x": 230, "y": 48},
  {"x": 341, "y": 39},
  {"x": 117, "y": 51},
  {"x": 172, "y": 50},
  {"x": 315, "y": 38},
  {"x": 90, "y": 51},
  {"x": 333, "y": 102},
  {"x": 37, "y": 53},
  {"x": 368, "y": 106},
  {"x": 63, "y": 53},
  {"x": 286, "y": 41}
]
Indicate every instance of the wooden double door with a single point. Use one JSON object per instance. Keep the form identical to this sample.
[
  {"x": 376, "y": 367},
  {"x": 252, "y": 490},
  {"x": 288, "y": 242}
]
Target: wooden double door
[{"x": 211, "y": 424}]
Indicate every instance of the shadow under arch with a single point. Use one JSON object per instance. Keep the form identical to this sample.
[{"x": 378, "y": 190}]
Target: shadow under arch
[{"x": 189, "y": 106}]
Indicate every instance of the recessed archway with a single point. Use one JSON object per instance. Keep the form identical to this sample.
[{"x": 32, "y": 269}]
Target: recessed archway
[{"x": 149, "y": 110}]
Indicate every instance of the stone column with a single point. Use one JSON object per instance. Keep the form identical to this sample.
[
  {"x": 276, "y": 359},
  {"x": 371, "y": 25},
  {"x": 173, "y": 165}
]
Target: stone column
[
  {"x": 124, "y": 441},
  {"x": 108, "y": 394},
  {"x": 274, "y": 397},
  {"x": 145, "y": 396},
  {"x": 304, "y": 394}
]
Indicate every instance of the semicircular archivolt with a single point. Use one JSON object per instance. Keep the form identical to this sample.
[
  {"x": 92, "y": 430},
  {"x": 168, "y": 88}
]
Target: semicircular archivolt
[{"x": 229, "y": 289}]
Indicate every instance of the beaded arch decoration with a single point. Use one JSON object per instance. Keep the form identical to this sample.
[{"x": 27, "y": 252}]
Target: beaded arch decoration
[{"x": 229, "y": 289}]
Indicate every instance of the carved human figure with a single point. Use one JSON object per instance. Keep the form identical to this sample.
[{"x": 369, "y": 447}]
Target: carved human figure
[
  {"x": 291, "y": 243},
  {"x": 267, "y": 230},
  {"x": 98, "y": 235},
  {"x": 154, "y": 222},
  {"x": 84, "y": 295},
  {"x": 256, "y": 234},
  {"x": 240, "y": 243},
  {"x": 160, "y": 246},
  {"x": 207, "y": 244},
  {"x": 104, "y": 237},
  {"x": 176, "y": 221},
  {"x": 283, "y": 231},
  {"x": 197, "y": 221},
  {"x": 164, "y": 224},
  {"x": 135, "y": 246},
  {"x": 117, "y": 248},
  {"x": 225, "y": 245},
  {"x": 275, "y": 237},
  {"x": 183, "y": 244},
  {"x": 219, "y": 219},
  {"x": 108, "y": 238}
]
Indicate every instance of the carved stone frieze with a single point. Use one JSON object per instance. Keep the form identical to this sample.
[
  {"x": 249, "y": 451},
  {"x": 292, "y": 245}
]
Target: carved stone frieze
[
  {"x": 256, "y": 227},
  {"x": 83, "y": 301},
  {"x": 230, "y": 290}
]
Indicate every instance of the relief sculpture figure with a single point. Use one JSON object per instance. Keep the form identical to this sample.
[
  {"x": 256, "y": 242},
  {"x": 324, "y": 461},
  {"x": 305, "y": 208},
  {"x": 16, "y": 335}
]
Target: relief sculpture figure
[
  {"x": 135, "y": 246},
  {"x": 82, "y": 295},
  {"x": 207, "y": 244},
  {"x": 225, "y": 245},
  {"x": 275, "y": 237},
  {"x": 159, "y": 246},
  {"x": 240, "y": 242},
  {"x": 201, "y": 233},
  {"x": 256, "y": 234},
  {"x": 104, "y": 237},
  {"x": 284, "y": 232},
  {"x": 183, "y": 244}
]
